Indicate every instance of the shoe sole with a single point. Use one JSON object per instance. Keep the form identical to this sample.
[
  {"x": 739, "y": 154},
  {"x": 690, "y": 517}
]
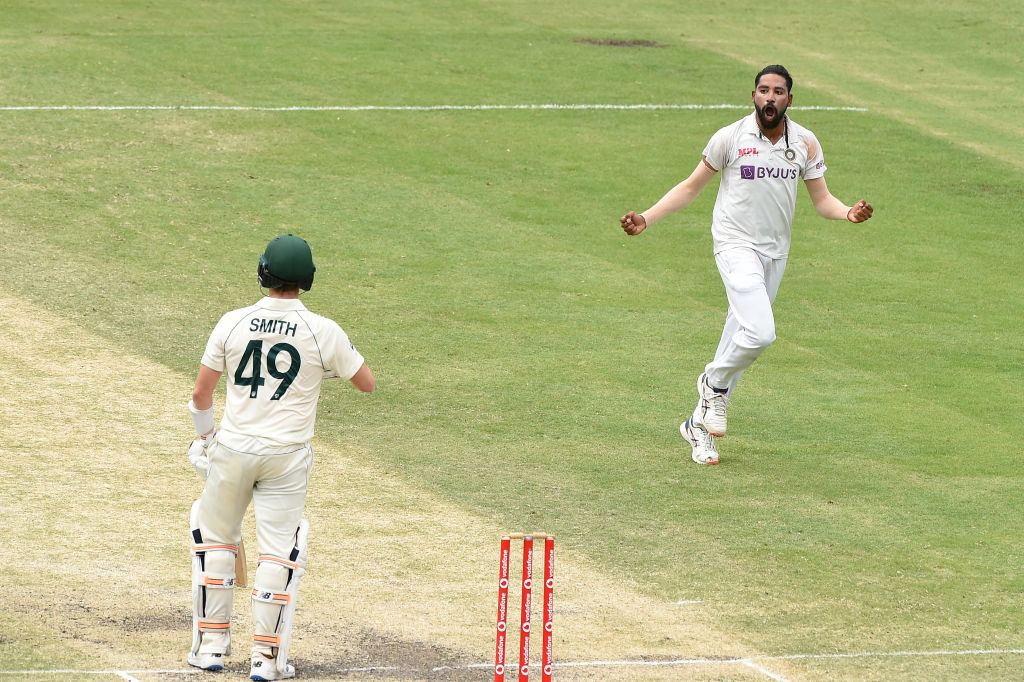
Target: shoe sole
[{"x": 710, "y": 464}]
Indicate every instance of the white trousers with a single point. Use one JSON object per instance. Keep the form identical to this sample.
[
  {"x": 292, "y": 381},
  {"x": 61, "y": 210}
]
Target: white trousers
[
  {"x": 276, "y": 485},
  {"x": 751, "y": 282}
]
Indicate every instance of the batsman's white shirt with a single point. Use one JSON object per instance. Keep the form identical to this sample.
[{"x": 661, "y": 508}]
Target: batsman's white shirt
[
  {"x": 275, "y": 355},
  {"x": 757, "y": 195}
]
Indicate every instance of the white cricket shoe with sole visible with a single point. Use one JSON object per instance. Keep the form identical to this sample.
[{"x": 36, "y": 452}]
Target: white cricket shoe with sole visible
[
  {"x": 711, "y": 406},
  {"x": 207, "y": 661},
  {"x": 264, "y": 669},
  {"x": 702, "y": 442}
]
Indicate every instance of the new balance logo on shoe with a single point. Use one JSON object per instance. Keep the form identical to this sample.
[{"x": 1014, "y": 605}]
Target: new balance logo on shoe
[{"x": 265, "y": 670}]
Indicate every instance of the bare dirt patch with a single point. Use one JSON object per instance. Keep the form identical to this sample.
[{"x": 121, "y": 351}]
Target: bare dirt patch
[{"x": 614, "y": 42}]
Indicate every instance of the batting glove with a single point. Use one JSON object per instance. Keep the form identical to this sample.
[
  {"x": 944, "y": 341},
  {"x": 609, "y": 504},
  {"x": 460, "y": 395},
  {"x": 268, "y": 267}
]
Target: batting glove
[{"x": 198, "y": 457}]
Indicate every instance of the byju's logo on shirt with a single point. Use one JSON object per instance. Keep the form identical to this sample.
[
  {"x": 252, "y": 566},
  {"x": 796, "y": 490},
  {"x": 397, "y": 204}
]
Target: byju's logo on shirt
[{"x": 758, "y": 172}]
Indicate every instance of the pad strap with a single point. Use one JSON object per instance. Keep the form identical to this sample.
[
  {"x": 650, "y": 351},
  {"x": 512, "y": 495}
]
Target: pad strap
[
  {"x": 268, "y": 640},
  {"x": 224, "y": 583},
  {"x": 213, "y": 626},
  {"x": 278, "y": 560},
  {"x": 270, "y": 597},
  {"x": 197, "y": 549}
]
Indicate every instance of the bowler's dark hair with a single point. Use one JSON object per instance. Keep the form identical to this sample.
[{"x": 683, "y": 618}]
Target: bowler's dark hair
[{"x": 778, "y": 70}]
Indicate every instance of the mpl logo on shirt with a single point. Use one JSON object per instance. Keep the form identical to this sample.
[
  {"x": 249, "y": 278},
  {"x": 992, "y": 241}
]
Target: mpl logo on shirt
[{"x": 758, "y": 172}]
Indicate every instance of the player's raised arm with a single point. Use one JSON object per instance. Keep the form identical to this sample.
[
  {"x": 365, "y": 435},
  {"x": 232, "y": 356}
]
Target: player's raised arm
[
  {"x": 828, "y": 206},
  {"x": 676, "y": 199}
]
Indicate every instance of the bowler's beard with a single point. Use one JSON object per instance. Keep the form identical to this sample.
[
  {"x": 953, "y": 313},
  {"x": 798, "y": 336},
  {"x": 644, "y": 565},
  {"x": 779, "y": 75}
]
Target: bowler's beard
[{"x": 780, "y": 115}]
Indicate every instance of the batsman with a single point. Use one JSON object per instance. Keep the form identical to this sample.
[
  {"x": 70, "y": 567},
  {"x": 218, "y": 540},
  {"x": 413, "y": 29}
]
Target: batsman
[{"x": 276, "y": 354}]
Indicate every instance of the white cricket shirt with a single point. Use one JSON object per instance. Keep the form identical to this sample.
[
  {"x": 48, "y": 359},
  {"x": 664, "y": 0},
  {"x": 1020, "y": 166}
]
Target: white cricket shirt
[
  {"x": 757, "y": 195},
  {"x": 275, "y": 355}
]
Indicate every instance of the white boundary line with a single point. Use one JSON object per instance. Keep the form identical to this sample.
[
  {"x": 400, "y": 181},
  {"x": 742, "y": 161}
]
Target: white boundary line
[
  {"x": 751, "y": 662},
  {"x": 439, "y": 107}
]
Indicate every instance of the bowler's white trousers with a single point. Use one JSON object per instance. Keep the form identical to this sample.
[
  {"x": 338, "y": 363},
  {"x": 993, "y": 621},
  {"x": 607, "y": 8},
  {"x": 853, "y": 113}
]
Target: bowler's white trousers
[{"x": 751, "y": 282}]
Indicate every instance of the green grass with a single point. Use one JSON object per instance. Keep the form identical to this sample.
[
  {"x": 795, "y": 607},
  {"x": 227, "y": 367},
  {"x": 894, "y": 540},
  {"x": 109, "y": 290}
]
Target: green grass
[{"x": 533, "y": 362}]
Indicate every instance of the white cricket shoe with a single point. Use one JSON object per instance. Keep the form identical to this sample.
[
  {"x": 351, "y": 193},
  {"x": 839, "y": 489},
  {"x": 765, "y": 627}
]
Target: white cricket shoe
[
  {"x": 207, "y": 661},
  {"x": 702, "y": 442},
  {"x": 711, "y": 406},
  {"x": 264, "y": 669}
]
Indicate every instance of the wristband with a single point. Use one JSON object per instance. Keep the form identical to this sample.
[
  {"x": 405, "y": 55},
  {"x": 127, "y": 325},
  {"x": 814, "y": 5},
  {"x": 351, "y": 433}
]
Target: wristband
[{"x": 201, "y": 419}]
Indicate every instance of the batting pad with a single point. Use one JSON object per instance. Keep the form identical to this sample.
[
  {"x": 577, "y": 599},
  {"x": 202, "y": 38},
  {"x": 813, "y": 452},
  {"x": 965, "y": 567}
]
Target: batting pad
[
  {"x": 274, "y": 593},
  {"x": 213, "y": 579}
]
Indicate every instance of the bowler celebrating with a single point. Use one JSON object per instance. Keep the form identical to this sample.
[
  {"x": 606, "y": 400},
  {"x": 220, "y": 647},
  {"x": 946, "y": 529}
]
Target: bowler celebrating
[{"x": 761, "y": 157}]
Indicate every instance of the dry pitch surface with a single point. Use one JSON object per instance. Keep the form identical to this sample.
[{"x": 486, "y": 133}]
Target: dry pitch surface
[{"x": 400, "y": 584}]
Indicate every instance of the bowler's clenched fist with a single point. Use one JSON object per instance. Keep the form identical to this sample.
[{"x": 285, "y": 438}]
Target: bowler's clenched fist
[
  {"x": 860, "y": 212},
  {"x": 633, "y": 223}
]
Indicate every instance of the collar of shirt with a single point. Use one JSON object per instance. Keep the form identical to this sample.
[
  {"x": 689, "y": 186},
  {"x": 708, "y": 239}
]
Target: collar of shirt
[{"x": 281, "y": 303}]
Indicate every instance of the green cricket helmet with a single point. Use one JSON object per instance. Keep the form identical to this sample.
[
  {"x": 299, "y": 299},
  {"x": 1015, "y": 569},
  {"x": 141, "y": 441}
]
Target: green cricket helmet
[{"x": 287, "y": 261}]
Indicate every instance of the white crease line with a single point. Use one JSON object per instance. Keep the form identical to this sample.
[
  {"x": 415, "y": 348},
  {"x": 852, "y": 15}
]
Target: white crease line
[
  {"x": 126, "y": 674},
  {"x": 646, "y": 664},
  {"x": 439, "y": 107},
  {"x": 890, "y": 654},
  {"x": 764, "y": 671}
]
